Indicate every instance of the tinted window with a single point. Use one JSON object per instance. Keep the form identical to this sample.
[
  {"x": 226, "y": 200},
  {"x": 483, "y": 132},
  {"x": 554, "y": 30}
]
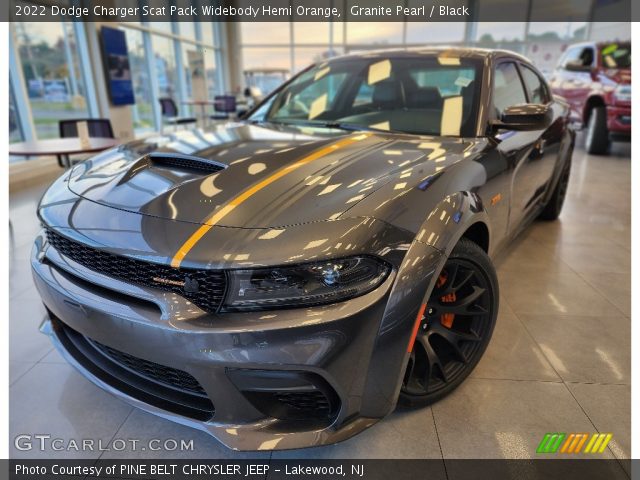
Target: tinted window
[
  {"x": 571, "y": 56},
  {"x": 507, "y": 87},
  {"x": 587, "y": 57},
  {"x": 535, "y": 86},
  {"x": 582, "y": 56},
  {"x": 312, "y": 98}
]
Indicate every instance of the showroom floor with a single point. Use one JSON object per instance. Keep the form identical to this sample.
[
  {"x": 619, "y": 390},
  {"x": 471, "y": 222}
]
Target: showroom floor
[{"x": 559, "y": 360}]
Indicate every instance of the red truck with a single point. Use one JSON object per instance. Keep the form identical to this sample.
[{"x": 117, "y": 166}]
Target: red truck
[{"x": 595, "y": 78}]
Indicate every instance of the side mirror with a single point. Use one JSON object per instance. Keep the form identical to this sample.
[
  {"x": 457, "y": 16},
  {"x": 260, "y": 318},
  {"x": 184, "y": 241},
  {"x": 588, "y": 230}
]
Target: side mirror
[
  {"x": 529, "y": 116},
  {"x": 577, "y": 66}
]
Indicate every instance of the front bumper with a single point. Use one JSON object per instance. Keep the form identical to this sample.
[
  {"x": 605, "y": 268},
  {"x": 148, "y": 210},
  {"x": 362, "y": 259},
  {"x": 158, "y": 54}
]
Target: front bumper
[
  {"x": 619, "y": 120},
  {"x": 333, "y": 344}
]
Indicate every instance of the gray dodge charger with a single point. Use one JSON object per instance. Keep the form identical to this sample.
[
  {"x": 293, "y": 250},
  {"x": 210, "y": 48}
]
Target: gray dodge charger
[{"x": 287, "y": 279}]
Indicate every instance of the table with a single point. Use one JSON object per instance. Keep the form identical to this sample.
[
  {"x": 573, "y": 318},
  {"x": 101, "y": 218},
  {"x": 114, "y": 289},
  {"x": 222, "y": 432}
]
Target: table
[
  {"x": 203, "y": 105},
  {"x": 61, "y": 148}
]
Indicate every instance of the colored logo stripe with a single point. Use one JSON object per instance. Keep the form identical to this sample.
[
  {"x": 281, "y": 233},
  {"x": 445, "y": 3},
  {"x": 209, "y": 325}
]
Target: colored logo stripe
[
  {"x": 215, "y": 217},
  {"x": 550, "y": 443},
  {"x": 573, "y": 443},
  {"x": 598, "y": 443}
]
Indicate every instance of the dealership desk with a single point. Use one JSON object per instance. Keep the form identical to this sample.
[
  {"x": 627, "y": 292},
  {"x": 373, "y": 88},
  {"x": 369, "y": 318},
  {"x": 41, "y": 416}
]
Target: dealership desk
[
  {"x": 61, "y": 148},
  {"x": 203, "y": 104}
]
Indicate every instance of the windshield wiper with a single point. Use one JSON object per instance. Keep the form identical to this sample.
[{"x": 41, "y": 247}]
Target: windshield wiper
[{"x": 351, "y": 127}]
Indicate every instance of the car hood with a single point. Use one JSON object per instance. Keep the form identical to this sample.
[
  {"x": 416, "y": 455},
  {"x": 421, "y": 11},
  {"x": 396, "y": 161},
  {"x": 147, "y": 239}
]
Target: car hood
[{"x": 263, "y": 177}]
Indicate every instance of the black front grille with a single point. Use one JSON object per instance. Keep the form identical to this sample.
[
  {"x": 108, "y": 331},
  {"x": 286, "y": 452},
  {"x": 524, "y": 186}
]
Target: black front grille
[
  {"x": 169, "y": 376},
  {"x": 163, "y": 387},
  {"x": 312, "y": 403},
  {"x": 205, "y": 288}
]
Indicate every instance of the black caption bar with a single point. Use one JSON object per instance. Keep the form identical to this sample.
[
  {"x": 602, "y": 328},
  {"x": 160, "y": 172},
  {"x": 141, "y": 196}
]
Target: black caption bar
[
  {"x": 322, "y": 10},
  {"x": 565, "y": 469}
]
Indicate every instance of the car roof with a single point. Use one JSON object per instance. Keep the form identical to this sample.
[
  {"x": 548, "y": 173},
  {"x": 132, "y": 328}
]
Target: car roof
[
  {"x": 446, "y": 51},
  {"x": 598, "y": 44}
]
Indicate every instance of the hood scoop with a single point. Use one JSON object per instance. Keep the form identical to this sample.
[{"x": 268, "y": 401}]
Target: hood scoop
[{"x": 178, "y": 161}]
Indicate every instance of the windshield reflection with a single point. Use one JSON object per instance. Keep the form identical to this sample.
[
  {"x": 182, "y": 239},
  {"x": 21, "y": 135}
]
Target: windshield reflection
[{"x": 424, "y": 94}]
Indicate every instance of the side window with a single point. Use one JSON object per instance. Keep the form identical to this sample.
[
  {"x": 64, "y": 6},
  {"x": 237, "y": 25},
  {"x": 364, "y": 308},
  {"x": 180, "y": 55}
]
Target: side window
[
  {"x": 586, "y": 57},
  {"x": 536, "y": 87},
  {"x": 364, "y": 95},
  {"x": 570, "y": 56},
  {"x": 507, "y": 87},
  {"x": 580, "y": 56}
]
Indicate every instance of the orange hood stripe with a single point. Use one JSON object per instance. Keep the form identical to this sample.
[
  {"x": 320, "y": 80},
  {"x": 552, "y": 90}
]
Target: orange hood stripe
[{"x": 215, "y": 217}]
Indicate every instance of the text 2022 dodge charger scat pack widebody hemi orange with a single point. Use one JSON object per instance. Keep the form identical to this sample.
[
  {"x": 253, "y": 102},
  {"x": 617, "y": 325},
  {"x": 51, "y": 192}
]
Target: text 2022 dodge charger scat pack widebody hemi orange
[{"x": 287, "y": 279}]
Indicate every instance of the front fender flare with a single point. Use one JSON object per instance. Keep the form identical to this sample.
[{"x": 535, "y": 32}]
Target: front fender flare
[
  {"x": 450, "y": 219},
  {"x": 416, "y": 278}
]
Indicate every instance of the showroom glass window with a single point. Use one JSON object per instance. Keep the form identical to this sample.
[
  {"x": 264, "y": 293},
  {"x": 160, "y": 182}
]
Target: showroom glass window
[
  {"x": 185, "y": 73},
  {"x": 210, "y": 64},
  {"x": 165, "y": 67},
  {"x": 142, "y": 110},
  {"x": 507, "y": 87},
  {"x": 312, "y": 43},
  {"x": 263, "y": 51},
  {"x": 15, "y": 132},
  {"x": 187, "y": 30},
  {"x": 170, "y": 78},
  {"x": 52, "y": 74}
]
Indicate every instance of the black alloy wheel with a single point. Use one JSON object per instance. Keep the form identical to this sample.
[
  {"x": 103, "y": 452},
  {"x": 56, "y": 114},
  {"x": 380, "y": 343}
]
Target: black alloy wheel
[{"x": 456, "y": 327}]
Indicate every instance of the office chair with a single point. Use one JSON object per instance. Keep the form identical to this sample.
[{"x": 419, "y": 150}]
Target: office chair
[{"x": 97, "y": 127}]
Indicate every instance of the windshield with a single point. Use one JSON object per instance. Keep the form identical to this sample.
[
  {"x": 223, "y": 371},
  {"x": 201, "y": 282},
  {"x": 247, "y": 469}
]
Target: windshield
[
  {"x": 424, "y": 95},
  {"x": 616, "y": 56}
]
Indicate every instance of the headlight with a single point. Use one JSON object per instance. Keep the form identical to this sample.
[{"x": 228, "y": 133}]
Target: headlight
[
  {"x": 303, "y": 285},
  {"x": 623, "y": 93}
]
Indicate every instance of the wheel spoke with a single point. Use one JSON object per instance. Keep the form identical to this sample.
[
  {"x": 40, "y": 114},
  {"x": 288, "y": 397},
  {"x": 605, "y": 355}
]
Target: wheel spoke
[
  {"x": 454, "y": 338},
  {"x": 433, "y": 361},
  {"x": 456, "y": 279},
  {"x": 464, "y": 306},
  {"x": 411, "y": 366},
  {"x": 451, "y": 273},
  {"x": 463, "y": 281}
]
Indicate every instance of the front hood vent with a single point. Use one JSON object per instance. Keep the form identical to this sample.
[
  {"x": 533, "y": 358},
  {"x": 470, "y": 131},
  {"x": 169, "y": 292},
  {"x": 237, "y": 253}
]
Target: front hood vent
[{"x": 184, "y": 162}]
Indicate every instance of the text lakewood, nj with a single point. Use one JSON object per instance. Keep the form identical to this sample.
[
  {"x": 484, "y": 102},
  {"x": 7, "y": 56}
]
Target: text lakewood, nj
[{"x": 263, "y": 12}]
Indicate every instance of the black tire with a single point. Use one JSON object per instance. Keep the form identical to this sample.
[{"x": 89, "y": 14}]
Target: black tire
[
  {"x": 446, "y": 350},
  {"x": 552, "y": 209},
  {"x": 597, "y": 134}
]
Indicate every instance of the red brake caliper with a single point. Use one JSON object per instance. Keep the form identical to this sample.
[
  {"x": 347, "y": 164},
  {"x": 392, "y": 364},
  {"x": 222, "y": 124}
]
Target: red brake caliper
[{"x": 446, "y": 319}]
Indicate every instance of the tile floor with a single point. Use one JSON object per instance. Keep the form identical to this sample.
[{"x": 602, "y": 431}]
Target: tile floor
[{"x": 559, "y": 359}]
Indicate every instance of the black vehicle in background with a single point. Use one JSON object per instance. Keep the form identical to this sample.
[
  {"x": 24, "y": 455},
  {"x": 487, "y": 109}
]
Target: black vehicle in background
[{"x": 284, "y": 281}]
